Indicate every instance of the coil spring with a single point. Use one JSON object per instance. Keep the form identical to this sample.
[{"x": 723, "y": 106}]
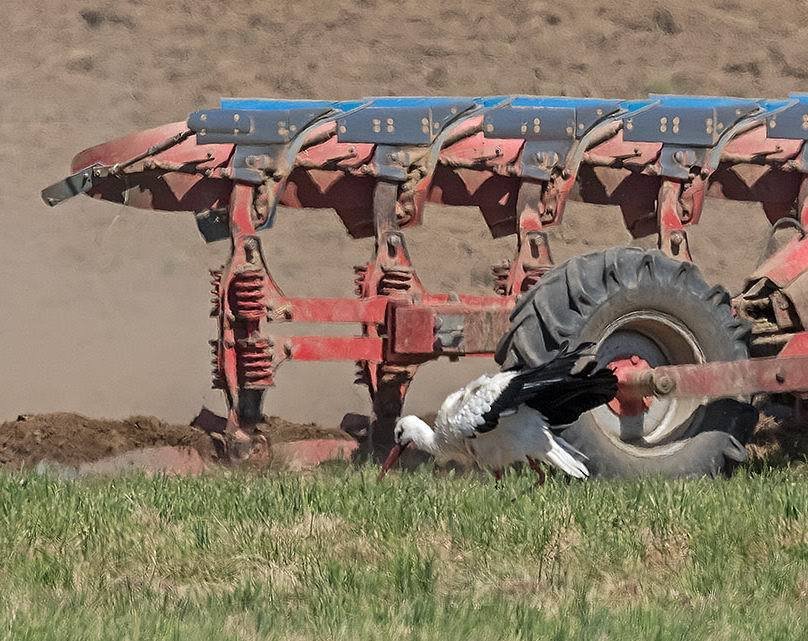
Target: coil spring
[
  {"x": 361, "y": 272},
  {"x": 501, "y": 272},
  {"x": 254, "y": 363},
  {"x": 217, "y": 377},
  {"x": 215, "y": 291},
  {"x": 394, "y": 279},
  {"x": 248, "y": 295},
  {"x": 361, "y": 377}
]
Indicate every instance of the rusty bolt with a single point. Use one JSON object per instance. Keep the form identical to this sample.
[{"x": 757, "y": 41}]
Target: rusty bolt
[
  {"x": 229, "y": 344},
  {"x": 677, "y": 238},
  {"x": 780, "y": 377},
  {"x": 635, "y": 360}
]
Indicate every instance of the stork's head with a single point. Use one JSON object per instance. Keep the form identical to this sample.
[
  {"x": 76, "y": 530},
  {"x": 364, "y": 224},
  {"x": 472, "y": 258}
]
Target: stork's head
[{"x": 410, "y": 430}]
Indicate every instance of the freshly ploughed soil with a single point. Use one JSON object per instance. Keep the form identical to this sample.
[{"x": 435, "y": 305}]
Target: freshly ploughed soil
[{"x": 72, "y": 439}]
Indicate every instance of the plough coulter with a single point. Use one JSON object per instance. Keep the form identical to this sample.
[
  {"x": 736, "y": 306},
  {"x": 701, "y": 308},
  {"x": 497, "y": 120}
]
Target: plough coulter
[{"x": 675, "y": 342}]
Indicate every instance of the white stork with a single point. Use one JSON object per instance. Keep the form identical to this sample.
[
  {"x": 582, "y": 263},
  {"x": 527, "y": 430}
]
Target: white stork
[{"x": 496, "y": 421}]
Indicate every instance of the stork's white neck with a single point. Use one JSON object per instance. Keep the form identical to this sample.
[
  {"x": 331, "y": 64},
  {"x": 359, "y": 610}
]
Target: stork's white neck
[{"x": 420, "y": 434}]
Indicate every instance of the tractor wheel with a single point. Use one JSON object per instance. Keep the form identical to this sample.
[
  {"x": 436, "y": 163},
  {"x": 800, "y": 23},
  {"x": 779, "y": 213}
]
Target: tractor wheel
[{"x": 639, "y": 307}]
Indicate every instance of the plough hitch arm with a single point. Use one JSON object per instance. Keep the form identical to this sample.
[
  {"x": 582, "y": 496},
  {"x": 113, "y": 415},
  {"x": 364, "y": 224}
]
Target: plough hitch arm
[{"x": 787, "y": 372}]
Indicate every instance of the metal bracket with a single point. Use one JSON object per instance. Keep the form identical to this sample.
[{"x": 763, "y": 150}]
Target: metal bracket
[
  {"x": 675, "y": 161},
  {"x": 449, "y": 331},
  {"x": 79, "y": 183}
]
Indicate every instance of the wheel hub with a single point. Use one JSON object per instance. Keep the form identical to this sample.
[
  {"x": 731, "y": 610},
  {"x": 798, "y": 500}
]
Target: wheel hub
[
  {"x": 626, "y": 404},
  {"x": 637, "y": 341}
]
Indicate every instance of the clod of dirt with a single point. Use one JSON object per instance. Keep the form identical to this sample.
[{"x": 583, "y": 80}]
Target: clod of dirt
[
  {"x": 278, "y": 430},
  {"x": 75, "y": 442},
  {"x": 72, "y": 439},
  {"x": 778, "y": 440}
]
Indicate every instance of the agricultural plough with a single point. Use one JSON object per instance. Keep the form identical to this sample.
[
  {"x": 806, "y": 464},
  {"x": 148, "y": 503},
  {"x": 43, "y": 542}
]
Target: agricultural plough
[{"x": 675, "y": 342}]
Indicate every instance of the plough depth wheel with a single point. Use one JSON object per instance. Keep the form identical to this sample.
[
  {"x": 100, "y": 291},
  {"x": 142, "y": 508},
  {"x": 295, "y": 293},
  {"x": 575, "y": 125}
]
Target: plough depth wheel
[{"x": 642, "y": 309}]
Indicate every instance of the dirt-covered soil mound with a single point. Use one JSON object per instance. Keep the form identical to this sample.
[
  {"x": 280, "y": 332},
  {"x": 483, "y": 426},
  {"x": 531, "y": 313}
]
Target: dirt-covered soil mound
[
  {"x": 73, "y": 440},
  {"x": 779, "y": 440}
]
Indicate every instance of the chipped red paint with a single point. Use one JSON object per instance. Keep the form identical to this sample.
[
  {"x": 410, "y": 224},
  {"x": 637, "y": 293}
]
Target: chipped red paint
[
  {"x": 787, "y": 372},
  {"x": 628, "y": 402},
  {"x": 787, "y": 264}
]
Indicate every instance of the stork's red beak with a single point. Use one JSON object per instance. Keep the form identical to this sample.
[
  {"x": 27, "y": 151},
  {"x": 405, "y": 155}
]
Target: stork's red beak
[{"x": 391, "y": 459}]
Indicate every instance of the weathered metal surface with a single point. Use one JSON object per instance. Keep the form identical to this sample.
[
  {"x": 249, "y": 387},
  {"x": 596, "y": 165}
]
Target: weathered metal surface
[
  {"x": 253, "y": 126},
  {"x": 786, "y": 265},
  {"x": 792, "y": 122},
  {"x": 687, "y": 120},
  {"x": 785, "y": 373},
  {"x": 198, "y": 187},
  {"x": 401, "y": 121}
]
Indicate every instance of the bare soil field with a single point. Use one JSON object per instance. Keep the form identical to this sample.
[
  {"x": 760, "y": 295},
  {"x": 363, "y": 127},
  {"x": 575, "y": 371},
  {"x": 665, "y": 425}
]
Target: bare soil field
[{"x": 103, "y": 309}]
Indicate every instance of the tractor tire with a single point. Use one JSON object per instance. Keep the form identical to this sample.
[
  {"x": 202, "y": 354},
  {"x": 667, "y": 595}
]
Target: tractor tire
[{"x": 634, "y": 302}]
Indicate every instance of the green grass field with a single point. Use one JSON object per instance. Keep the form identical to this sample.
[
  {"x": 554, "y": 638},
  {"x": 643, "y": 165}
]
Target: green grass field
[{"x": 336, "y": 555}]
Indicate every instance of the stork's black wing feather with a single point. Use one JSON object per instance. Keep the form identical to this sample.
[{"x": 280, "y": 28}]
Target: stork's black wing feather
[{"x": 552, "y": 389}]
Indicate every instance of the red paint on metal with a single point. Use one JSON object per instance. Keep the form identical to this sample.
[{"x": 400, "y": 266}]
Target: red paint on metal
[
  {"x": 786, "y": 374},
  {"x": 331, "y": 310},
  {"x": 414, "y": 330},
  {"x": 331, "y": 348},
  {"x": 672, "y": 234},
  {"x": 158, "y": 189},
  {"x": 627, "y": 402},
  {"x": 786, "y": 265},
  {"x": 796, "y": 346}
]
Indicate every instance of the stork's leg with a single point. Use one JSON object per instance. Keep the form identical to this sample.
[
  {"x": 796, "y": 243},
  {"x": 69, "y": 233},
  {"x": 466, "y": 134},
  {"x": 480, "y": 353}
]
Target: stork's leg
[
  {"x": 536, "y": 467},
  {"x": 497, "y": 475}
]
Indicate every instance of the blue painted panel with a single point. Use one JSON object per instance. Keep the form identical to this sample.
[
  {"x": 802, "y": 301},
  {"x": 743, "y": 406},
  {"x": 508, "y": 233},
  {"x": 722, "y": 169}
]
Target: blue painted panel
[
  {"x": 792, "y": 122},
  {"x": 530, "y": 122},
  {"x": 690, "y": 121},
  {"x": 401, "y": 121},
  {"x": 773, "y": 105},
  {"x": 272, "y": 104},
  {"x": 491, "y": 101},
  {"x": 398, "y": 102},
  {"x": 254, "y": 126},
  {"x": 634, "y": 105},
  {"x": 564, "y": 101}
]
